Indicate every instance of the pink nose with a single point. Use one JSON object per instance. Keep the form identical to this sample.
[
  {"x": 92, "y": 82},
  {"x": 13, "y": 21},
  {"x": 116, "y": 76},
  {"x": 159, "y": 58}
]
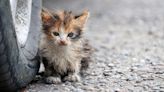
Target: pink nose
[{"x": 63, "y": 42}]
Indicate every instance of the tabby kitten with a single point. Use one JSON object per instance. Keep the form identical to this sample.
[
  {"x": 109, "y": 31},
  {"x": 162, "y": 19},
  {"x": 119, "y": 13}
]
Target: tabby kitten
[{"x": 62, "y": 46}]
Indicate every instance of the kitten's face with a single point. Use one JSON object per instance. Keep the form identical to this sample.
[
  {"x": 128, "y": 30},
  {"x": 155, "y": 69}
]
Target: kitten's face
[{"x": 63, "y": 28}]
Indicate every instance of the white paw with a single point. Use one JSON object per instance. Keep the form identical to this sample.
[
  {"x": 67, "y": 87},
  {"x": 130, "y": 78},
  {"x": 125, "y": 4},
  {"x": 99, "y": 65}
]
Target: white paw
[
  {"x": 72, "y": 78},
  {"x": 53, "y": 80}
]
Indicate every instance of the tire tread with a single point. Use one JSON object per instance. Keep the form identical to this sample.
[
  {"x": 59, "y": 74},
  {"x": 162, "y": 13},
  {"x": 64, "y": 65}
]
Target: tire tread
[{"x": 6, "y": 77}]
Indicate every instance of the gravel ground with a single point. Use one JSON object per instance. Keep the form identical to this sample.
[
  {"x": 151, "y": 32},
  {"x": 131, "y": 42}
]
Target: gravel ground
[{"x": 128, "y": 36}]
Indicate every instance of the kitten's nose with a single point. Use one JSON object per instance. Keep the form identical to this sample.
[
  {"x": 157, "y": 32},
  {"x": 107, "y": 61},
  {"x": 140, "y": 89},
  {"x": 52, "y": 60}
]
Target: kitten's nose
[{"x": 63, "y": 42}]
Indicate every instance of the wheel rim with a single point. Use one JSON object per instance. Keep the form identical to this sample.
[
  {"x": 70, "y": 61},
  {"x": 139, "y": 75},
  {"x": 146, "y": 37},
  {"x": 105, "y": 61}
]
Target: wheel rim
[{"x": 21, "y": 12}]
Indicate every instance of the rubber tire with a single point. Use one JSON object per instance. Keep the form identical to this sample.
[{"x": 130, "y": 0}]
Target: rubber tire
[{"x": 18, "y": 65}]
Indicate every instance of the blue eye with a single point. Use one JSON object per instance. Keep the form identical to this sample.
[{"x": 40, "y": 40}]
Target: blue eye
[
  {"x": 70, "y": 34},
  {"x": 55, "y": 33}
]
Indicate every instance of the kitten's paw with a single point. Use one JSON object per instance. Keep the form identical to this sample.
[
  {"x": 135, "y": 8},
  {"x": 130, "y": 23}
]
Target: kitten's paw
[
  {"x": 53, "y": 80},
  {"x": 72, "y": 78}
]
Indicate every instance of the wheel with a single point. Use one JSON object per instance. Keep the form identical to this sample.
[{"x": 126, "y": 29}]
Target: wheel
[{"x": 18, "y": 62}]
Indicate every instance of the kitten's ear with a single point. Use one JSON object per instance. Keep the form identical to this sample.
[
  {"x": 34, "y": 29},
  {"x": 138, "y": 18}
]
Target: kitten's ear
[
  {"x": 82, "y": 19},
  {"x": 46, "y": 16}
]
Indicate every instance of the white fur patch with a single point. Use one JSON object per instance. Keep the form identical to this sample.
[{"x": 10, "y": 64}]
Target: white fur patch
[{"x": 65, "y": 57}]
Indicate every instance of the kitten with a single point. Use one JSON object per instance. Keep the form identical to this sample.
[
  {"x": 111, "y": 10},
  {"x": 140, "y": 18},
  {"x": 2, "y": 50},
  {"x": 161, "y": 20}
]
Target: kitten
[{"x": 62, "y": 48}]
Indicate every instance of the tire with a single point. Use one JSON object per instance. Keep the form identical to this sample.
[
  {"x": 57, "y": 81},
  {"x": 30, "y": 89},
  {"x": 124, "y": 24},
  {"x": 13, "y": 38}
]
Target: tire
[{"x": 18, "y": 64}]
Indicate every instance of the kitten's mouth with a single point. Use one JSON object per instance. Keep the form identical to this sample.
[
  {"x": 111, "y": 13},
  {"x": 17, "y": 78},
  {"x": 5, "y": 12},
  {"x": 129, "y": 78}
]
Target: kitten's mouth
[{"x": 63, "y": 44}]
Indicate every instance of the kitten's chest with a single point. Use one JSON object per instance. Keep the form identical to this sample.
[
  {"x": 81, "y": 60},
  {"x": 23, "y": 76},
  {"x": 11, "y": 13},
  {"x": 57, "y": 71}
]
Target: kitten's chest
[
  {"x": 59, "y": 56},
  {"x": 63, "y": 61}
]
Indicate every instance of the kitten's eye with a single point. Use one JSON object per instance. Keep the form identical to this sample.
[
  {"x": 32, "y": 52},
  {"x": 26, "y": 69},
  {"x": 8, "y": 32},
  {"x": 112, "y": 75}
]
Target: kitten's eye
[
  {"x": 56, "y": 33},
  {"x": 70, "y": 34}
]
